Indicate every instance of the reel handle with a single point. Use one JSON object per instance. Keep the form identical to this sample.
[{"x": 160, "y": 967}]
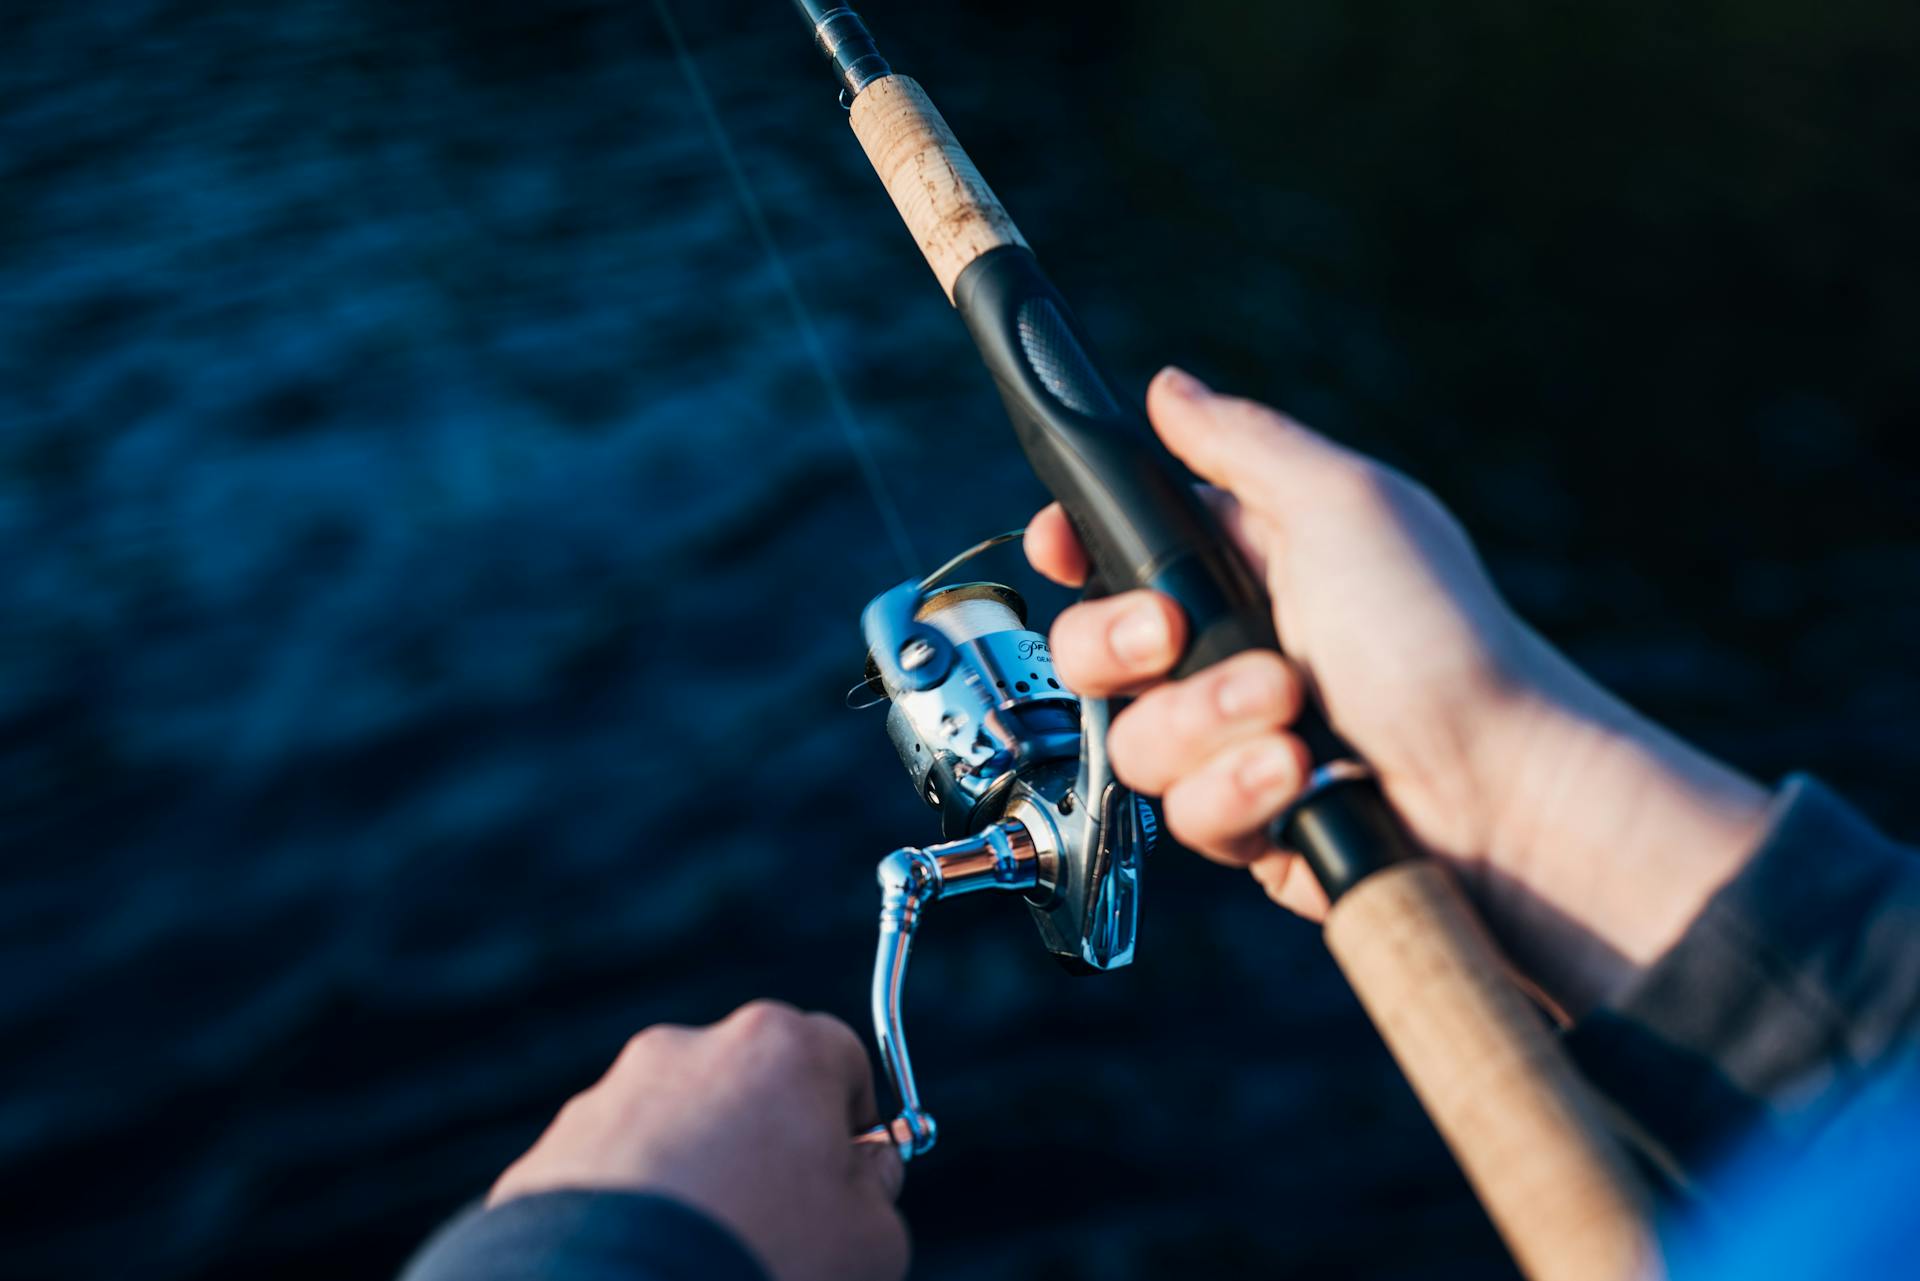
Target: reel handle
[
  {"x": 1002, "y": 857},
  {"x": 902, "y": 1132}
]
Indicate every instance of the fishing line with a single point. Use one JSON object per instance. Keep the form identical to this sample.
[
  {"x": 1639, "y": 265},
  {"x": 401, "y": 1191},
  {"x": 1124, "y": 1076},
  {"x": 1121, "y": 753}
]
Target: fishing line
[{"x": 870, "y": 472}]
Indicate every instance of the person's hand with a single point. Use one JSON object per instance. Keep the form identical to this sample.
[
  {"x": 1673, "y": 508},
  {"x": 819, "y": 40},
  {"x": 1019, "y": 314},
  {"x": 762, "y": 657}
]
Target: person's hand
[
  {"x": 750, "y": 1120},
  {"x": 1589, "y": 837}
]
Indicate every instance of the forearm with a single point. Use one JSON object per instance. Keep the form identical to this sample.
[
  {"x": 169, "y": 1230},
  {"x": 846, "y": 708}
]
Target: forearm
[{"x": 1614, "y": 837}]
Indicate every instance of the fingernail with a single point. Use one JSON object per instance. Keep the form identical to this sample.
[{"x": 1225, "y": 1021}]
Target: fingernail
[
  {"x": 1181, "y": 384},
  {"x": 1241, "y": 695},
  {"x": 1140, "y": 634},
  {"x": 1270, "y": 766}
]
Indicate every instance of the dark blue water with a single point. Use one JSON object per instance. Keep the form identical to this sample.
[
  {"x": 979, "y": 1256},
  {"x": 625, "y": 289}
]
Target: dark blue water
[{"x": 429, "y": 567}]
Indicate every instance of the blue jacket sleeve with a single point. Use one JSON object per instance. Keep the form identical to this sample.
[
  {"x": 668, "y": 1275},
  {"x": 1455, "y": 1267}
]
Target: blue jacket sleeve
[
  {"x": 1797, "y": 987},
  {"x": 584, "y": 1235}
]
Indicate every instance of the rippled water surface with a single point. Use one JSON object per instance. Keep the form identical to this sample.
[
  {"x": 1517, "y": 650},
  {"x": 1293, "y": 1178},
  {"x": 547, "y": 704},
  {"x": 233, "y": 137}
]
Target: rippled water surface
[{"x": 429, "y": 567}]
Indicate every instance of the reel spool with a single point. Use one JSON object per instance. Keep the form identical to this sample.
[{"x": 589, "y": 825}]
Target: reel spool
[
  {"x": 965, "y": 741},
  {"x": 1016, "y": 765}
]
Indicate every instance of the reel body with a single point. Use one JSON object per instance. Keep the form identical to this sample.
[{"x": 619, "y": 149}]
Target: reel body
[{"x": 1016, "y": 765}]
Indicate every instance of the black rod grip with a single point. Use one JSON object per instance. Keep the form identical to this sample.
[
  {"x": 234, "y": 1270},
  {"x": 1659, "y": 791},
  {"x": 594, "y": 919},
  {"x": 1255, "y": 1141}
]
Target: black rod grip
[
  {"x": 1142, "y": 524},
  {"x": 1345, "y": 831}
]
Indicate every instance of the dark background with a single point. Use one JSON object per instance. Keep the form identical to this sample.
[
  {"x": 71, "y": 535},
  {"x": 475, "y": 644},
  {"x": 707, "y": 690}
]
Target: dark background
[{"x": 429, "y": 566}]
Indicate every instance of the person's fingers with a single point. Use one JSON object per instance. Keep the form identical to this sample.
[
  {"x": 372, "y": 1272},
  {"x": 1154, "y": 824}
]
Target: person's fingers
[
  {"x": 881, "y": 1163},
  {"x": 838, "y": 1050},
  {"x": 639, "y": 1052},
  {"x": 1289, "y": 882},
  {"x": 886, "y": 1248},
  {"x": 1053, "y": 549},
  {"x": 1222, "y": 809},
  {"x": 1259, "y": 454},
  {"x": 1175, "y": 729},
  {"x": 1117, "y": 644}
]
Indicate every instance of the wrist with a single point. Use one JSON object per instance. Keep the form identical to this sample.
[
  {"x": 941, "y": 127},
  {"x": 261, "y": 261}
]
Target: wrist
[{"x": 1606, "y": 837}]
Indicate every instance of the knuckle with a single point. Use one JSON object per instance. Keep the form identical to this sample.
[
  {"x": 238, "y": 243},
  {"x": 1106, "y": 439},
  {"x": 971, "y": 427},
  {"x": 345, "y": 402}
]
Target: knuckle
[
  {"x": 773, "y": 1027},
  {"x": 1185, "y": 819},
  {"x": 1195, "y": 710},
  {"x": 765, "y": 1017},
  {"x": 1302, "y": 757},
  {"x": 646, "y": 1041},
  {"x": 1133, "y": 748},
  {"x": 1266, "y": 682},
  {"x": 1251, "y": 793}
]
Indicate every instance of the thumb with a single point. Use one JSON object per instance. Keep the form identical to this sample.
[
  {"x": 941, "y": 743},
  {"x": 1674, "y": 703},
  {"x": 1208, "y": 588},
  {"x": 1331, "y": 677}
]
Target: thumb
[{"x": 1265, "y": 459}]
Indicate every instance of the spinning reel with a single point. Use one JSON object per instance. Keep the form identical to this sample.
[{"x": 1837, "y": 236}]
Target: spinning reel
[{"x": 1017, "y": 767}]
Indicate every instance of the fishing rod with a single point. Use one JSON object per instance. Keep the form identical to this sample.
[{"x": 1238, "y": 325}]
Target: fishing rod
[{"x": 1017, "y": 766}]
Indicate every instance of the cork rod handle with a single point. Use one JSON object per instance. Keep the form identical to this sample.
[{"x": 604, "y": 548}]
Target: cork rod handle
[
  {"x": 1522, "y": 1125},
  {"x": 946, "y": 204}
]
